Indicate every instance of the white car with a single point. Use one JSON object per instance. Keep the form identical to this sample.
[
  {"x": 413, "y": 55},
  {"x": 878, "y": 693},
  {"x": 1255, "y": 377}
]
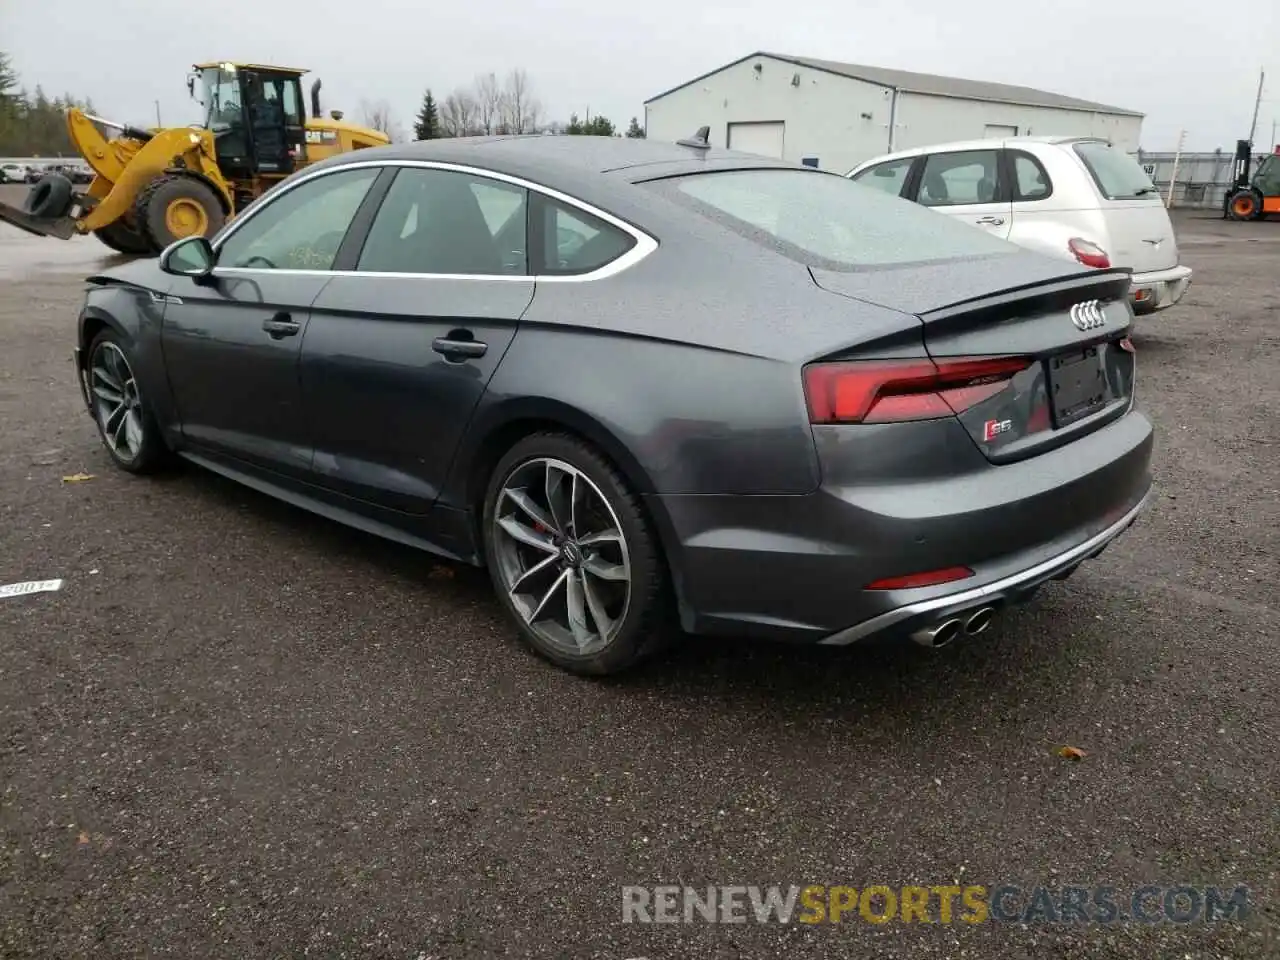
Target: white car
[{"x": 1072, "y": 197}]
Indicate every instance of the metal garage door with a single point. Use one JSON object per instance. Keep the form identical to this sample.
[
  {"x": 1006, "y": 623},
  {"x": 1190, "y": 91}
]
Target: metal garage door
[
  {"x": 762, "y": 138},
  {"x": 996, "y": 130}
]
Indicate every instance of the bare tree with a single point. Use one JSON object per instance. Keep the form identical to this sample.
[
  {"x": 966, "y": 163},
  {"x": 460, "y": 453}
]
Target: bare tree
[
  {"x": 377, "y": 116},
  {"x": 520, "y": 108},
  {"x": 488, "y": 99},
  {"x": 459, "y": 114}
]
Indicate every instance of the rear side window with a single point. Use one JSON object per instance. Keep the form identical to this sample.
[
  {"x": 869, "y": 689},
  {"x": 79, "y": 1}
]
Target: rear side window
[
  {"x": 1117, "y": 175},
  {"x": 886, "y": 177},
  {"x": 1031, "y": 179},
  {"x": 575, "y": 242},
  {"x": 831, "y": 221},
  {"x": 447, "y": 222}
]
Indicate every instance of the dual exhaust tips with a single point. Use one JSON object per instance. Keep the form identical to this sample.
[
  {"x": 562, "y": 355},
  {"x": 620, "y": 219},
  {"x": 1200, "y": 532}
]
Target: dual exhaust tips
[{"x": 941, "y": 634}]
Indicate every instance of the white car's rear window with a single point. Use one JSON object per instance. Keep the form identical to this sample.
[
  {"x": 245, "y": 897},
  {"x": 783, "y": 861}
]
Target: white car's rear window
[
  {"x": 1117, "y": 174},
  {"x": 817, "y": 216}
]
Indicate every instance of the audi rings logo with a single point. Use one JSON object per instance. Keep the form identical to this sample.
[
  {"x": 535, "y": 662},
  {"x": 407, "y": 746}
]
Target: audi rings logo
[{"x": 1088, "y": 315}]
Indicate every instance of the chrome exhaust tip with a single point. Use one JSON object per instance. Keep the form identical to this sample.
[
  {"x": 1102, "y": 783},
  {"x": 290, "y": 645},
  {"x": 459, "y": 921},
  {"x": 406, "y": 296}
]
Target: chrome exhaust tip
[
  {"x": 979, "y": 621},
  {"x": 940, "y": 634}
]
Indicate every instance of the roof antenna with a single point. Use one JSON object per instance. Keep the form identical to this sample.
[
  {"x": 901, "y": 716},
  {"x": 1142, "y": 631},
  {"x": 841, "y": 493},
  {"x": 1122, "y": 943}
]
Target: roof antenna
[{"x": 699, "y": 141}]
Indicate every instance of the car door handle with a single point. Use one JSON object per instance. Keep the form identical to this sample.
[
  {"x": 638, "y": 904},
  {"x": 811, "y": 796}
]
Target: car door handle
[
  {"x": 281, "y": 325},
  {"x": 994, "y": 221},
  {"x": 458, "y": 349}
]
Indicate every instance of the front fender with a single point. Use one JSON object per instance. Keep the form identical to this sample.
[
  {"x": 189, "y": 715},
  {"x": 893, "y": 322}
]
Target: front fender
[{"x": 135, "y": 312}]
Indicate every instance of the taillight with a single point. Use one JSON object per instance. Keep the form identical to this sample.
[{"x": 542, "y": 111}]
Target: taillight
[
  {"x": 1090, "y": 254},
  {"x": 892, "y": 391}
]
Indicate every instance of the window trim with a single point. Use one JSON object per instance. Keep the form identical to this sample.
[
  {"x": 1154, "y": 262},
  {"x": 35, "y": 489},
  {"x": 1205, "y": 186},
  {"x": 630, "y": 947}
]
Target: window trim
[
  {"x": 645, "y": 243},
  {"x": 1011, "y": 172},
  {"x": 1003, "y": 191}
]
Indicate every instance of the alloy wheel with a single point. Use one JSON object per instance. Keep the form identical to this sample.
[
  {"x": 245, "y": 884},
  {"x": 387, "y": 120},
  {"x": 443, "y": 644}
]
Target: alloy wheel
[
  {"x": 117, "y": 405},
  {"x": 562, "y": 556}
]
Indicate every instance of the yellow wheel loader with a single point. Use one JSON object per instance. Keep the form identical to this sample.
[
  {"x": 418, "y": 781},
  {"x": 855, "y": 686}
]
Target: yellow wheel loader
[{"x": 152, "y": 187}]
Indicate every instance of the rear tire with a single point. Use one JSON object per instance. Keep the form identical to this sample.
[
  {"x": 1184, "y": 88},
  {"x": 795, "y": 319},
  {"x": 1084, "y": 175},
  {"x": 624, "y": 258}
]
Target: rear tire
[
  {"x": 1245, "y": 205},
  {"x": 587, "y": 590},
  {"x": 123, "y": 238},
  {"x": 174, "y": 207}
]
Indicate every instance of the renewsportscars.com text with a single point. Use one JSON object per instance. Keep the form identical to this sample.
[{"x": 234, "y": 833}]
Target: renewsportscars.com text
[{"x": 944, "y": 904}]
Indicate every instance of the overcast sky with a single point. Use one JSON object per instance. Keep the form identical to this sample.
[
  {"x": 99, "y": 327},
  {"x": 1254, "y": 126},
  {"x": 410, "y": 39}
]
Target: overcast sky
[{"x": 1184, "y": 63}]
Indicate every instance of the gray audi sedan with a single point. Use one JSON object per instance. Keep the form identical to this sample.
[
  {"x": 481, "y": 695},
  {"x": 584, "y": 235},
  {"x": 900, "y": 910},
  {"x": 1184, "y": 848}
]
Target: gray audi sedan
[{"x": 649, "y": 386}]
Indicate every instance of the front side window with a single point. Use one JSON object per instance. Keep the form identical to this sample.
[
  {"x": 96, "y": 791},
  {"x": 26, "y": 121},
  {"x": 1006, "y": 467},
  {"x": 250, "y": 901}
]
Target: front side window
[
  {"x": 823, "y": 219},
  {"x": 303, "y": 228},
  {"x": 1117, "y": 175},
  {"x": 886, "y": 177},
  {"x": 574, "y": 242},
  {"x": 220, "y": 87},
  {"x": 951, "y": 179},
  {"x": 448, "y": 222}
]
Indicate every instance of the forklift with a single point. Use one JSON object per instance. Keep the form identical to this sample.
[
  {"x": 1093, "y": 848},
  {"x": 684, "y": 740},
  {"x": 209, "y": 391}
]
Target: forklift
[{"x": 1253, "y": 196}]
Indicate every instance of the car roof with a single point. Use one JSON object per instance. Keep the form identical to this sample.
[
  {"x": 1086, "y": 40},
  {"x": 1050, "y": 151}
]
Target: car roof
[
  {"x": 562, "y": 162},
  {"x": 990, "y": 143}
]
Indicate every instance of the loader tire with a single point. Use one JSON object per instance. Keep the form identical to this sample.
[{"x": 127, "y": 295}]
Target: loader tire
[
  {"x": 174, "y": 207},
  {"x": 123, "y": 238},
  {"x": 50, "y": 198}
]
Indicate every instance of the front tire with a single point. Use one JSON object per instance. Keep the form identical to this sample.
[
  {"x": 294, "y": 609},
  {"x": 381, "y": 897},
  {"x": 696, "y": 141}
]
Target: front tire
[
  {"x": 175, "y": 207},
  {"x": 1245, "y": 205},
  {"x": 573, "y": 557},
  {"x": 125, "y": 422}
]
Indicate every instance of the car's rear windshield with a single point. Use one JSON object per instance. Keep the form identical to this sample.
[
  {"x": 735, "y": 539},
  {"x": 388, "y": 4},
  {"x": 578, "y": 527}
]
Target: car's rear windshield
[
  {"x": 1117, "y": 174},
  {"x": 828, "y": 220}
]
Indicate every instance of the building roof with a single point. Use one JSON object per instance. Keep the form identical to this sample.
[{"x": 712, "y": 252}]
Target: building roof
[{"x": 905, "y": 81}]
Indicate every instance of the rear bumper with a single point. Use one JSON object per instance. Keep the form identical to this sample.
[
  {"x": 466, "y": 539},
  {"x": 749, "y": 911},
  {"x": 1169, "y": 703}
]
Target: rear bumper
[
  {"x": 1149, "y": 292},
  {"x": 1011, "y": 589},
  {"x": 795, "y": 568}
]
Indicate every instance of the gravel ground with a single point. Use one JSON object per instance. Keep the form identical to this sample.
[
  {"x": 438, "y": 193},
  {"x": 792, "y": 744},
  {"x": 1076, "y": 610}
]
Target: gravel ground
[{"x": 239, "y": 731}]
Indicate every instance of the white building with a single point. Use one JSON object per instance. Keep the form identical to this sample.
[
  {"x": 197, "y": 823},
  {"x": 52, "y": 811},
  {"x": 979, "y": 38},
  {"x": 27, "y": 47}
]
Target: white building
[{"x": 839, "y": 114}]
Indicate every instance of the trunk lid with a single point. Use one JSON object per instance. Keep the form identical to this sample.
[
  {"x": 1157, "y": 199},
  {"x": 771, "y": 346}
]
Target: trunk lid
[
  {"x": 1069, "y": 323},
  {"x": 1139, "y": 232}
]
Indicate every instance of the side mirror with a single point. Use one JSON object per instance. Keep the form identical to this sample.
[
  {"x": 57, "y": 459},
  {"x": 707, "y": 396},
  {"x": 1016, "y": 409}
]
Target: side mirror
[{"x": 189, "y": 257}]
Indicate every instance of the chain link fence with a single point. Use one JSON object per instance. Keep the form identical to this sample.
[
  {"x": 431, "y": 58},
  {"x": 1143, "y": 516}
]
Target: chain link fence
[{"x": 1202, "y": 179}]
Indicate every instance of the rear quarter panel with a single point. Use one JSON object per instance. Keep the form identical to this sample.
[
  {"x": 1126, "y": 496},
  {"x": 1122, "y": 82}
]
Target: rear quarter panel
[
  {"x": 1073, "y": 209},
  {"x": 677, "y": 417}
]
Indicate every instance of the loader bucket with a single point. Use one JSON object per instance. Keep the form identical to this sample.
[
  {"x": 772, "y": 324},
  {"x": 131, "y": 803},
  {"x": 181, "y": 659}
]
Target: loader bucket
[{"x": 64, "y": 228}]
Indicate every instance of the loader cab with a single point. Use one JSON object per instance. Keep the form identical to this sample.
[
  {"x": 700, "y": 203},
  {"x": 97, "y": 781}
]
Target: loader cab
[{"x": 256, "y": 116}]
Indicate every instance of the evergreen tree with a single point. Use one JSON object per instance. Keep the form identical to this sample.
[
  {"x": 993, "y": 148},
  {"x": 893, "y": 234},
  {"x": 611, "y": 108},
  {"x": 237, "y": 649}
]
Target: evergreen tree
[
  {"x": 32, "y": 125},
  {"x": 595, "y": 127},
  {"x": 635, "y": 131},
  {"x": 427, "y": 124}
]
